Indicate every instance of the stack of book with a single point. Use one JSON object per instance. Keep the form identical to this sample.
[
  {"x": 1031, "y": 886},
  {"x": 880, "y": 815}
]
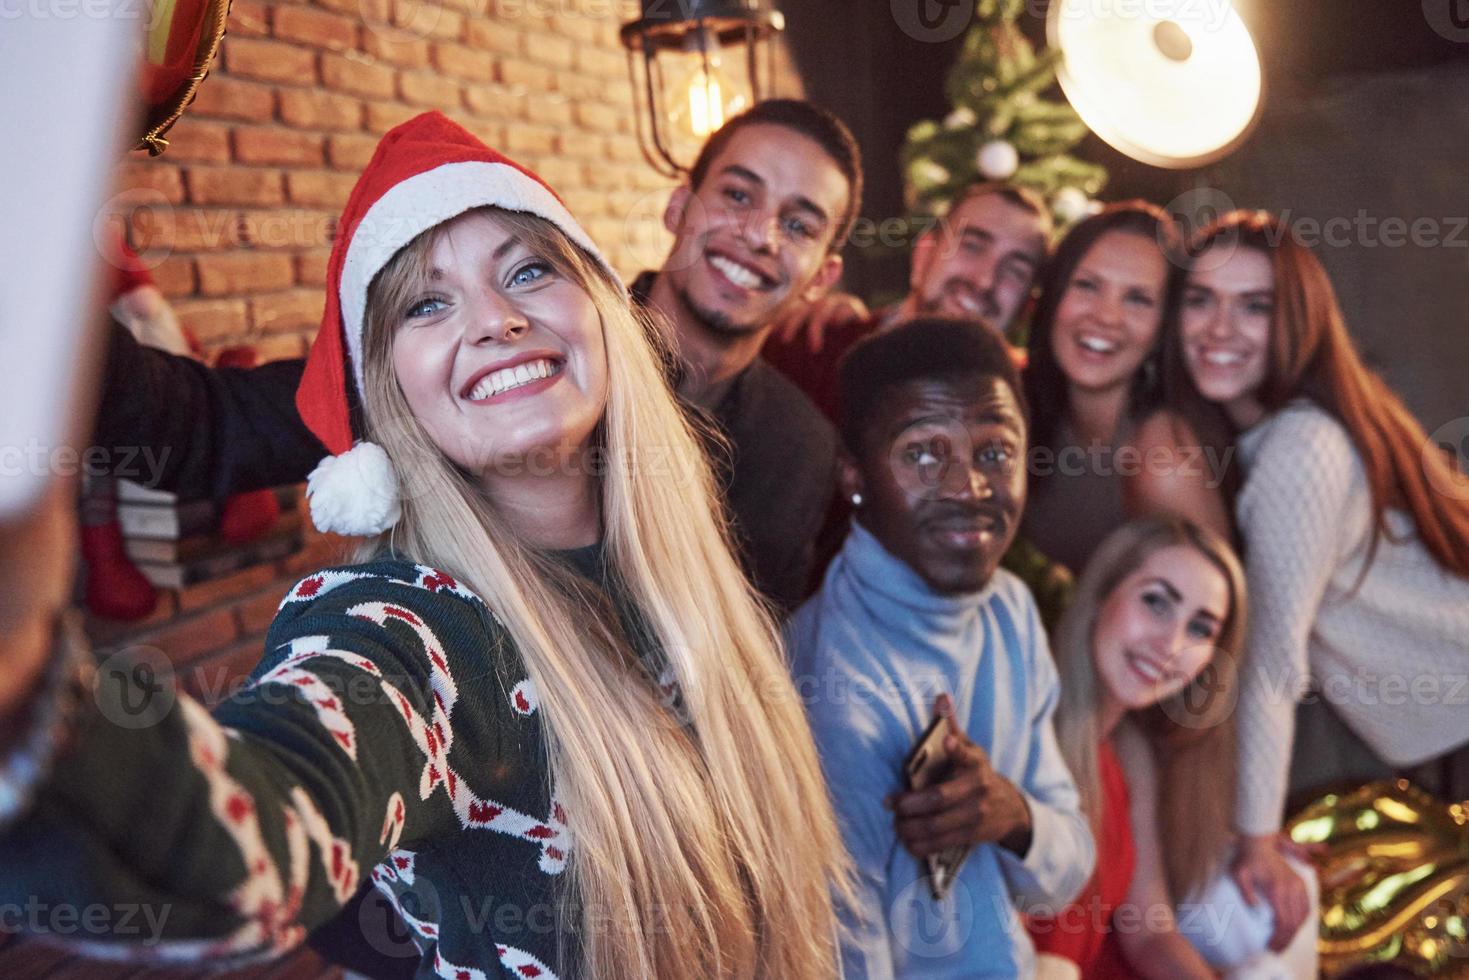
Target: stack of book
[{"x": 174, "y": 544}]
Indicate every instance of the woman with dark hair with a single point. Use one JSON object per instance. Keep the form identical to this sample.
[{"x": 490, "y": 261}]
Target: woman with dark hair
[
  {"x": 1355, "y": 526},
  {"x": 1105, "y": 448}
]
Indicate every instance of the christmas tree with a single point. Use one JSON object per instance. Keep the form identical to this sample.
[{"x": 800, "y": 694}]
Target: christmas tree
[{"x": 1002, "y": 126}]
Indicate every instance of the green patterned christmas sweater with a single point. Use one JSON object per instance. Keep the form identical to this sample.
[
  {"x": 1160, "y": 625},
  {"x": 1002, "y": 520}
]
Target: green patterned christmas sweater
[{"x": 389, "y": 734}]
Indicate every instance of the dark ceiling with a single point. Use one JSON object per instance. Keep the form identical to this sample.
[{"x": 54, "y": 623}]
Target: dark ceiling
[{"x": 1303, "y": 40}]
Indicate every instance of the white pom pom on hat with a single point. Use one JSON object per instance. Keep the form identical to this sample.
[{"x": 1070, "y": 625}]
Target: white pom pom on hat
[
  {"x": 355, "y": 492},
  {"x": 423, "y": 173}
]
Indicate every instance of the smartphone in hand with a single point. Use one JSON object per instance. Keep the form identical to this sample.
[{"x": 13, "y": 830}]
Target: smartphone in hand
[{"x": 929, "y": 763}]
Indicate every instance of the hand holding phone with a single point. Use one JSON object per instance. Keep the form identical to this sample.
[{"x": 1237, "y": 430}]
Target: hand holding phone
[
  {"x": 930, "y": 763},
  {"x": 54, "y": 179},
  {"x": 955, "y": 800}
]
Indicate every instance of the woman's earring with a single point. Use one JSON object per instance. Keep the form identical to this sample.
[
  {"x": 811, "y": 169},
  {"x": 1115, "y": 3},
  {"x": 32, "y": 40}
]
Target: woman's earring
[{"x": 856, "y": 500}]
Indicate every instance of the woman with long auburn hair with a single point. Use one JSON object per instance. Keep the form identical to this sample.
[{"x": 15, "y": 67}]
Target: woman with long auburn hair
[
  {"x": 1148, "y": 659},
  {"x": 1104, "y": 447},
  {"x": 543, "y": 712},
  {"x": 1355, "y": 527}
]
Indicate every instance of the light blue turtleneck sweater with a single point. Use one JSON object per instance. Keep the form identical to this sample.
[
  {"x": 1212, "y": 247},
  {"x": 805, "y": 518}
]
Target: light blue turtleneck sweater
[{"x": 870, "y": 653}]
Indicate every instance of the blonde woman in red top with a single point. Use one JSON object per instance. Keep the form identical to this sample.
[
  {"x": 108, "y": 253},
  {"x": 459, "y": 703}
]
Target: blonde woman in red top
[{"x": 1148, "y": 657}]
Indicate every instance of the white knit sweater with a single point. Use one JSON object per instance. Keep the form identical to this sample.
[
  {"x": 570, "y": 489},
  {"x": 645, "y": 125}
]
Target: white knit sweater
[{"x": 1392, "y": 657}]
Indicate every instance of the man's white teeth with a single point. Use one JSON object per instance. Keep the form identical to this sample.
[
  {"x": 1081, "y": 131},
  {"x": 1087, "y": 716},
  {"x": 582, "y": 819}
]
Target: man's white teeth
[
  {"x": 1223, "y": 358},
  {"x": 512, "y": 377},
  {"x": 969, "y": 304},
  {"x": 1096, "y": 344},
  {"x": 735, "y": 272}
]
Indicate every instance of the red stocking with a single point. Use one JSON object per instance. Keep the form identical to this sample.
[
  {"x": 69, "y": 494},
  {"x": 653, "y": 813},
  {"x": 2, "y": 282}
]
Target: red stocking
[
  {"x": 115, "y": 587},
  {"x": 247, "y": 516}
]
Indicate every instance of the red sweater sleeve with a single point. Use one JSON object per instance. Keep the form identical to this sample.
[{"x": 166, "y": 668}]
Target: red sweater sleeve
[{"x": 816, "y": 373}]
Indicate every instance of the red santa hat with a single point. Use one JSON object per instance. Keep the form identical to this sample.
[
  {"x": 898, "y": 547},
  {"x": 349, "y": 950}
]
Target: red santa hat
[{"x": 423, "y": 173}]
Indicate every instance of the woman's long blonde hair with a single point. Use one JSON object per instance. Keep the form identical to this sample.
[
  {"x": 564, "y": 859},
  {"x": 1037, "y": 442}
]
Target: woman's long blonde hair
[
  {"x": 1191, "y": 734},
  {"x": 703, "y": 840}
]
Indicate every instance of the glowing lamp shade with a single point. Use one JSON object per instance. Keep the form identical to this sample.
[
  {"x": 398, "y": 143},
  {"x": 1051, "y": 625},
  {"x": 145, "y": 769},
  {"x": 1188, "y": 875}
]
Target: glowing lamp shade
[{"x": 1173, "y": 83}]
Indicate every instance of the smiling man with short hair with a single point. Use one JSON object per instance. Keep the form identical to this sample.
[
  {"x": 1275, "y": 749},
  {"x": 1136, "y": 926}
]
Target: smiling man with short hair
[
  {"x": 758, "y": 230},
  {"x": 979, "y": 261}
]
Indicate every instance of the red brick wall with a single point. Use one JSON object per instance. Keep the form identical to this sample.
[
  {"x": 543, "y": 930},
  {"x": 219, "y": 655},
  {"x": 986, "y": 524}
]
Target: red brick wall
[
  {"x": 239, "y": 212},
  {"x": 237, "y": 218}
]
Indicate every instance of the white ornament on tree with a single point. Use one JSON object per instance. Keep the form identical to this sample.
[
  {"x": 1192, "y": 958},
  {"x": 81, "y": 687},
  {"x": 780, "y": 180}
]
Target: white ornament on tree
[
  {"x": 997, "y": 160},
  {"x": 1071, "y": 204}
]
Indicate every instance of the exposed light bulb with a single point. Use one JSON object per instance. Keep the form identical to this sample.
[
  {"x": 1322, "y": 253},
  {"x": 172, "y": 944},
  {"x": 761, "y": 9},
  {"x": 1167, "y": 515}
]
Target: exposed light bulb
[
  {"x": 706, "y": 103},
  {"x": 703, "y": 96}
]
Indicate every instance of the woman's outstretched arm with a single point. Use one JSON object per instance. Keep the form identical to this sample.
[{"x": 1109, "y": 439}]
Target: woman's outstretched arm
[
  {"x": 237, "y": 833},
  {"x": 1305, "y": 501}
]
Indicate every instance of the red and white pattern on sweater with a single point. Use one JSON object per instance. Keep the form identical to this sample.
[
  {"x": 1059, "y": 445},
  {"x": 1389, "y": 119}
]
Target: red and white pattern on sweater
[
  {"x": 268, "y": 904},
  {"x": 522, "y": 964},
  {"x": 398, "y": 868},
  {"x": 303, "y": 648},
  {"x": 335, "y": 852},
  {"x": 320, "y": 697},
  {"x": 523, "y": 698},
  {"x": 426, "y": 578},
  {"x": 550, "y": 834},
  {"x": 435, "y": 738},
  {"x": 315, "y": 586},
  {"x": 452, "y": 971},
  {"x": 517, "y": 961},
  {"x": 436, "y": 581},
  {"x": 393, "y": 822},
  {"x": 553, "y": 854},
  {"x": 432, "y": 738}
]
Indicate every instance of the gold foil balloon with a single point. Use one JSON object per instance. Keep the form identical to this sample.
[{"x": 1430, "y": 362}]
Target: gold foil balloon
[
  {"x": 1394, "y": 879},
  {"x": 180, "y": 41}
]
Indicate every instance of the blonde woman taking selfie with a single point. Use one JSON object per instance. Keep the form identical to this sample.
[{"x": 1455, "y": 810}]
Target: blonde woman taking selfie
[{"x": 545, "y": 688}]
